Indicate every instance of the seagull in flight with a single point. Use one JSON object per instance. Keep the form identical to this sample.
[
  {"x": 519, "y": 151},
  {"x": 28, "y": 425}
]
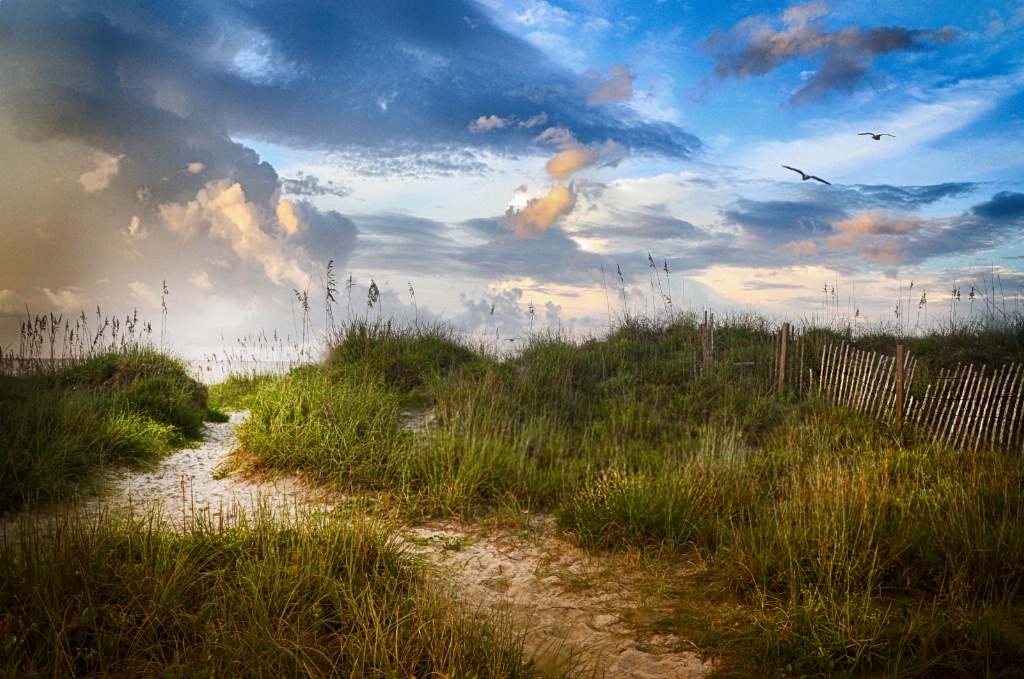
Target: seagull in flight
[
  {"x": 877, "y": 137},
  {"x": 806, "y": 176}
]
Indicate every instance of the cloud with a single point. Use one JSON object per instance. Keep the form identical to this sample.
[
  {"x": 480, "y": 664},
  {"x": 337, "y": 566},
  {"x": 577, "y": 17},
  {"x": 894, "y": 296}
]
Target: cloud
[
  {"x": 541, "y": 14},
  {"x": 308, "y": 185},
  {"x": 869, "y": 223},
  {"x": 169, "y": 89},
  {"x": 222, "y": 208},
  {"x": 889, "y": 253},
  {"x": 893, "y": 240},
  {"x": 488, "y": 123},
  {"x": 201, "y": 280},
  {"x": 575, "y": 157},
  {"x": 570, "y": 161},
  {"x": 753, "y": 47},
  {"x": 1005, "y": 206},
  {"x": 802, "y": 247},
  {"x": 618, "y": 87},
  {"x": 775, "y": 220},
  {"x": 135, "y": 229},
  {"x": 907, "y": 197},
  {"x": 70, "y": 299},
  {"x": 557, "y": 136},
  {"x": 97, "y": 179},
  {"x": 144, "y": 294},
  {"x": 9, "y": 302},
  {"x": 329, "y": 236},
  {"x": 534, "y": 121},
  {"x": 539, "y": 214}
]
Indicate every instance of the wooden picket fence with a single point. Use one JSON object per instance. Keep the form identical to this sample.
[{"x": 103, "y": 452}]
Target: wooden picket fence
[
  {"x": 868, "y": 382},
  {"x": 965, "y": 408},
  {"x": 961, "y": 407}
]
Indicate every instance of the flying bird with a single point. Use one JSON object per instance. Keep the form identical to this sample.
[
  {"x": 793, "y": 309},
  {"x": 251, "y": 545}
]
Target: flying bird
[
  {"x": 877, "y": 137},
  {"x": 807, "y": 176}
]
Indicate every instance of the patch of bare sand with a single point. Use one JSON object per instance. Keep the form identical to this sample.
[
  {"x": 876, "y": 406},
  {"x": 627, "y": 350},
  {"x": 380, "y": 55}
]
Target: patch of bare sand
[{"x": 571, "y": 605}]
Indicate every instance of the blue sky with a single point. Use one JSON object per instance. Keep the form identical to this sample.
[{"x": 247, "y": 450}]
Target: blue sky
[{"x": 506, "y": 153}]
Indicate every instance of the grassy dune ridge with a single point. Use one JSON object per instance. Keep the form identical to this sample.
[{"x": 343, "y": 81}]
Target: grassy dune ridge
[
  {"x": 314, "y": 595},
  {"x": 848, "y": 549},
  {"x": 821, "y": 543},
  {"x": 61, "y": 423}
]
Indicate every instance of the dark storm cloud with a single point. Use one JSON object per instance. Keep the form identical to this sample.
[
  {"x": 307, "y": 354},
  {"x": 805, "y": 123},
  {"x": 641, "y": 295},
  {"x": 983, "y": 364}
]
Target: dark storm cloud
[
  {"x": 829, "y": 231},
  {"x": 905, "y": 197},
  {"x": 408, "y": 245},
  {"x": 765, "y": 285},
  {"x": 654, "y": 222},
  {"x": 782, "y": 219},
  {"x": 331, "y": 235},
  {"x": 754, "y": 47},
  {"x": 1005, "y": 206},
  {"x": 360, "y": 72},
  {"x": 551, "y": 256},
  {"x": 150, "y": 99},
  {"x": 408, "y": 160}
]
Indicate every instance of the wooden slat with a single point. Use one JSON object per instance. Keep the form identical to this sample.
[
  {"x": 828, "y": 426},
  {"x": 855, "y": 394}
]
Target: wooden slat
[
  {"x": 1000, "y": 397},
  {"x": 882, "y": 388},
  {"x": 971, "y": 411},
  {"x": 962, "y": 391},
  {"x": 1015, "y": 428},
  {"x": 863, "y": 373},
  {"x": 1005, "y": 395},
  {"x": 940, "y": 408},
  {"x": 986, "y": 400},
  {"x": 923, "y": 409}
]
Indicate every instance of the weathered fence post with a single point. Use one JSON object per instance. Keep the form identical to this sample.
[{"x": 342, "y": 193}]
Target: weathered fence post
[
  {"x": 899, "y": 386},
  {"x": 782, "y": 357},
  {"x": 711, "y": 338},
  {"x": 704, "y": 339}
]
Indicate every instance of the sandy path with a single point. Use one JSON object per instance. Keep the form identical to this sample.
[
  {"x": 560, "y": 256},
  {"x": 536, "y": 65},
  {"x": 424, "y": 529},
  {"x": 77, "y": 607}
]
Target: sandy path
[
  {"x": 189, "y": 484},
  {"x": 533, "y": 575},
  {"x": 564, "y": 599},
  {"x": 192, "y": 482}
]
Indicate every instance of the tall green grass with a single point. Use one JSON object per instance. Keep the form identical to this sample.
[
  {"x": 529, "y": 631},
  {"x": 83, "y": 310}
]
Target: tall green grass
[
  {"x": 851, "y": 552},
  {"x": 333, "y": 425},
  {"x": 310, "y": 597},
  {"x": 62, "y": 422}
]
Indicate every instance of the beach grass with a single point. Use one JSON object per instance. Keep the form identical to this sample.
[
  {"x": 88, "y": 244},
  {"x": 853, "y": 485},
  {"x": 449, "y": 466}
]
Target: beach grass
[
  {"x": 63, "y": 423},
  {"x": 311, "y": 596},
  {"x": 847, "y": 549}
]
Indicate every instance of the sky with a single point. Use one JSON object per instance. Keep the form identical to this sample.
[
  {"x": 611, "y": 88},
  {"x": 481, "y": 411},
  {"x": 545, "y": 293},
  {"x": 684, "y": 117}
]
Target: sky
[{"x": 507, "y": 166}]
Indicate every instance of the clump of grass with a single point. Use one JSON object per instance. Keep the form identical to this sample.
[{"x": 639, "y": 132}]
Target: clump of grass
[
  {"x": 406, "y": 359},
  {"x": 235, "y": 391},
  {"x": 334, "y": 425},
  {"x": 314, "y": 596},
  {"x": 144, "y": 380},
  {"x": 678, "y": 502}
]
